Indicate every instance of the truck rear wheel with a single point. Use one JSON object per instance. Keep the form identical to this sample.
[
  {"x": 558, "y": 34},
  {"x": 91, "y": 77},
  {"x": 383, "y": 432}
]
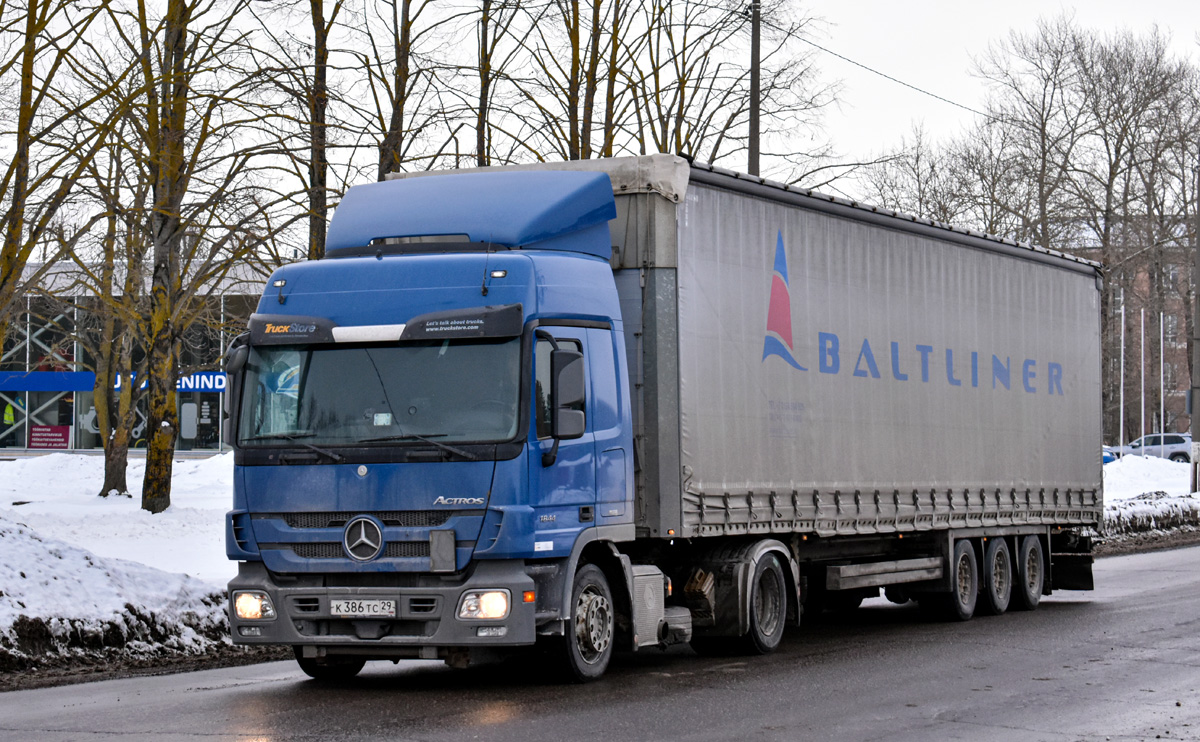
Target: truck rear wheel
[
  {"x": 587, "y": 646},
  {"x": 1031, "y": 574},
  {"x": 328, "y": 669},
  {"x": 768, "y": 606},
  {"x": 997, "y": 578}
]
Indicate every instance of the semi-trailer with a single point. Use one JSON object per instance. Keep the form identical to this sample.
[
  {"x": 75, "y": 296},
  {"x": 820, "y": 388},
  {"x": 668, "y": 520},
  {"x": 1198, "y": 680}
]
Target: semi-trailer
[{"x": 617, "y": 404}]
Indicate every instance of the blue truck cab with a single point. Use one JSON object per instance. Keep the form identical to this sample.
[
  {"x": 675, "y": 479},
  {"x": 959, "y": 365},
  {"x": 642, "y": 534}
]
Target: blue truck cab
[{"x": 432, "y": 422}]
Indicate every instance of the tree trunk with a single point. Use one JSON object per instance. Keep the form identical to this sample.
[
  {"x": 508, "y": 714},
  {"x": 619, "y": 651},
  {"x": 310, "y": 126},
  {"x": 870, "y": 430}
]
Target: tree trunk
[
  {"x": 318, "y": 103},
  {"x": 15, "y": 251},
  {"x": 391, "y": 150},
  {"x": 167, "y": 158},
  {"x": 590, "y": 84},
  {"x": 485, "y": 84},
  {"x": 163, "y": 422},
  {"x": 610, "y": 102}
]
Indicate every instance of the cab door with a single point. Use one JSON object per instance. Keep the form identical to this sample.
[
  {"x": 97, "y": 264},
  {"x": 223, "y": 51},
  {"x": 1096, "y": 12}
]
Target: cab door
[{"x": 562, "y": 481}]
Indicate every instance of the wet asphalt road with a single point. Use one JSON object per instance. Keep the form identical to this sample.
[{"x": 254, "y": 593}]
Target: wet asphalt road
[{"x": 1121, "y": 663}]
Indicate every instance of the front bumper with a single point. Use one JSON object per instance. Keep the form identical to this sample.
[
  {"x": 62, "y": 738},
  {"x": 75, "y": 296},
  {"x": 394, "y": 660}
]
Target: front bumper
[{"x": 426, "y": 611}]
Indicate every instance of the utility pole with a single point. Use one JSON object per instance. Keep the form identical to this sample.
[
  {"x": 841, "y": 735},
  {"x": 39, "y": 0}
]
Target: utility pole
[
  {"x": 1194, "y": 397},
  {"x": 755, "y": 94}
]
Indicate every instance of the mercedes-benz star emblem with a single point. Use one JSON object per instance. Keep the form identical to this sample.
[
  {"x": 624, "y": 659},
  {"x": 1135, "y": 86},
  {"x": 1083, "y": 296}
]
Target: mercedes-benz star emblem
[{"x": 363, "y": 540}]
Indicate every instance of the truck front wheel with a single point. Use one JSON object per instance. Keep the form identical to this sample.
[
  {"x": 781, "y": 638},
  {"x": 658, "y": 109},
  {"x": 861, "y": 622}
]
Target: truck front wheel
[
  {"x": 588, "y": 644},
  {"x": 768, "y": 606},
  {"x": 328, "y": 669}
]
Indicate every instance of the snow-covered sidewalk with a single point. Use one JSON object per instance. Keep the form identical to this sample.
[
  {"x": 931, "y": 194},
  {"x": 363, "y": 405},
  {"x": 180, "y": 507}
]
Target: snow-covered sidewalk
[{"x": 85, "y": 577}]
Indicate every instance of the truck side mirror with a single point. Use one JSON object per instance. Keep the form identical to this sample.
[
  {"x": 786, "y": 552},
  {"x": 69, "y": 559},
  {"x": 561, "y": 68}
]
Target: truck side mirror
[
  {"x": 235, "y": 361},
  {"x": 566, "y": 394}
]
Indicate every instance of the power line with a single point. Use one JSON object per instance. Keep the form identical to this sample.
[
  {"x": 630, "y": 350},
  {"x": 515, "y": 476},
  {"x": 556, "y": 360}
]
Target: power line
[{"x": 897, "y": 81}]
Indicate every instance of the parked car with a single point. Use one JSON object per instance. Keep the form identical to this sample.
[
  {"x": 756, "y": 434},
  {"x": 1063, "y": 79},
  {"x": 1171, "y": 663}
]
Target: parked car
[
  {"x": 1107, "y": 455},
  {"x": 1173, "y": 446}
]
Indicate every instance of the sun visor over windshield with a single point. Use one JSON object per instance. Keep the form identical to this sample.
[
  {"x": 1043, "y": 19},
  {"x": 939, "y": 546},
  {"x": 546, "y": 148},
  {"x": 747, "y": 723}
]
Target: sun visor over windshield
[
  {"x": 284, "y": 329},
  {"x": 475, "y": 322}
]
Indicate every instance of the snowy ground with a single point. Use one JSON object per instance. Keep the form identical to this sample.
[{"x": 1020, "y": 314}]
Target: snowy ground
[
  {"x": 1148, "y": 494},
  {"x": 85, "y": 576},
  {"x": 82, "y": 563}
]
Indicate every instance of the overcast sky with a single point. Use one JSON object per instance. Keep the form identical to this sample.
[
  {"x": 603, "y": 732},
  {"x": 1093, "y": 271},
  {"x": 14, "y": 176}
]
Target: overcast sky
[{"x": 931, "y": 43}]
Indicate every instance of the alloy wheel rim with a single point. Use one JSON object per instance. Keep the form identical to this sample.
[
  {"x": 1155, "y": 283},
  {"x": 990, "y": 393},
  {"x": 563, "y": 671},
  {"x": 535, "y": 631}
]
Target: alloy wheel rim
[{"x": 593, "y": 625}]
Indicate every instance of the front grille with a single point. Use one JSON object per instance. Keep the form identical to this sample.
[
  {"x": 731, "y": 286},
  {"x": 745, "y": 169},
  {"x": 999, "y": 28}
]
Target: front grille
[
  {"x": 399, "y": 518},
  {"x": 319, "y": 551},
  {"x": 406, "y": 549},
  {"x": 393, "y": 550}
]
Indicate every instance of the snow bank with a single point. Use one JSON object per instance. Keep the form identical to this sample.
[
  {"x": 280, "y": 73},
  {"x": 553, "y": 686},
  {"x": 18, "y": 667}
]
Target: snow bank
[
  {"x": 75, "y": 569},
  {"x": 59, "y": 599},
  {"x": 1131, "y": 476},
  {"x": 1146, "y": 494}
]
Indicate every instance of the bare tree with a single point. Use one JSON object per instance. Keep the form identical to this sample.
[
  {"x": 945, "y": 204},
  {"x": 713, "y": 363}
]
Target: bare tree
[
  {"x": 403, "y": 113},
  {"x": 200, "y": 130},
  {"x": 1034, "y": 81},
  {"x": 919, "y": 179},
  {"x": 37, "y": 181}
]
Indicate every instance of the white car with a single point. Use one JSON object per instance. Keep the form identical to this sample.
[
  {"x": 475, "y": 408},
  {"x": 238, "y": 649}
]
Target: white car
[{"x": 1173, "y": 446}]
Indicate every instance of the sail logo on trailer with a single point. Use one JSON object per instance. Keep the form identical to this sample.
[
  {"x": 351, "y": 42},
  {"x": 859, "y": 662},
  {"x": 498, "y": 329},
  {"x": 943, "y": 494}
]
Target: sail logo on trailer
[{"x": 907, "y": 362}]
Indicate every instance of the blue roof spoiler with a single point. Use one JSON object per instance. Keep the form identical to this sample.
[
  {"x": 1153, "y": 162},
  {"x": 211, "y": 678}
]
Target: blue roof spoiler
[{"x": 530, "y": 209}]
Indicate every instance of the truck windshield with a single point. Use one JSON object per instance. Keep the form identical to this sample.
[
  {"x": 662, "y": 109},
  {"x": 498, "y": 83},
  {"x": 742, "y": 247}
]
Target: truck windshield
[{"x": 441, "y": 391}]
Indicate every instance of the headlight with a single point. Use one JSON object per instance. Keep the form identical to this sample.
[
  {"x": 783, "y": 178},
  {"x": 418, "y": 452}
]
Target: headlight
[
  {"x": 253, "y": 606},
  {"x": 484, "y": 604}
]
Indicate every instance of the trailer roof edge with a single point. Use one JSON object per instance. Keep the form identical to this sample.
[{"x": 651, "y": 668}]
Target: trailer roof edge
[{"x": 707, "y": 174}]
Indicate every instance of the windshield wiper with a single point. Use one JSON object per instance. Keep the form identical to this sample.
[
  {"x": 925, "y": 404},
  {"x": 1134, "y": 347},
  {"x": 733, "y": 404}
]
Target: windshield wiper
[
  {"x": 424, "y": 439},
  {"x": 295, "y": 437}
]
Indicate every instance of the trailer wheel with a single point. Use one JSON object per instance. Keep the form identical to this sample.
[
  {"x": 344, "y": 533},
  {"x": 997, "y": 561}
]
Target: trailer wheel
[
  {"x": 328, "y": 669},
  {"x": 997, "y": 578},
  {"x": 768, "y": 606},
  {"x": 1031, "y": 574},
  {"x": 959, "y": 603},
  {"x": 588, "y": 645}
]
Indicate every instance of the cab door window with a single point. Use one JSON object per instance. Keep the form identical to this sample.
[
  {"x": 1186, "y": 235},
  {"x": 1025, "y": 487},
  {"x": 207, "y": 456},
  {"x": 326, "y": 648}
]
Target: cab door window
[{"x": 541, "y": 394}]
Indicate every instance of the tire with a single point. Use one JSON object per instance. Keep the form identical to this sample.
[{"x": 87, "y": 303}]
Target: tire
[
  {"x": 959, "y": 603},
  {"x": 329, "y": 669},
  {"x": 996, "y": 587},
  {"x": 1031, "y": 574},
  {"x": 587, "y": 647},
  {"x": 1180, "y": 457},
  {"x": 768, "y": 606}
]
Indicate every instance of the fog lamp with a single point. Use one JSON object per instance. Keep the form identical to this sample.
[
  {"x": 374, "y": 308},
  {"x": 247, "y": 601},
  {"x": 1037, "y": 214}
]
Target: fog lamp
[
  {"x": 484, "y": 604},
  {"x": 253, "y": 606}
]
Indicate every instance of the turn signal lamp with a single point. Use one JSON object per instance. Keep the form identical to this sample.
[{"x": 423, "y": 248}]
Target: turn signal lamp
[
  {"x": 529, "y": 596},
  {"x": 253, "y": 606}
]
